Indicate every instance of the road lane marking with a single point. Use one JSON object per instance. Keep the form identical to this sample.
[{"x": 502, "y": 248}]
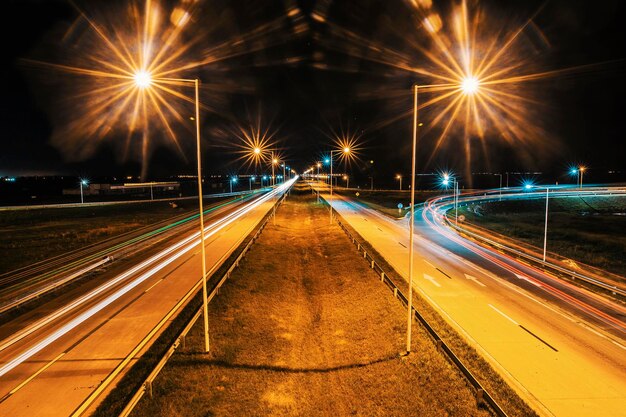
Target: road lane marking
[
  {"x": 431, "y": 279},
  {"x": 430, "y": 264},
  {"x": 30, "y": 378},
  {"x": 538, "y": 338},
  {"x": 504, "y": 315},
  {"x": 401, "y": 244},
  {"x": 443, "y": 273},
  {"x": 473, "y": 278},
  {"x": 536, "y": 284},
  {"x": 153, "y": 285}
]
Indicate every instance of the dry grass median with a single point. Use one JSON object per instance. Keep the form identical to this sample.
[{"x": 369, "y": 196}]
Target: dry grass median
[{"x": 304, "y": 328}]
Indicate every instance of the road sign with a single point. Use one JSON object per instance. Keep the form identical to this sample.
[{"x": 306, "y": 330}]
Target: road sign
[
  {"x": 357, "y": 194},
  {"x": 400, "y": 206}
]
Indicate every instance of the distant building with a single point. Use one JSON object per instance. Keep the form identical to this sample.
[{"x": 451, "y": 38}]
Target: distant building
[{"x": 124, "y": 189}]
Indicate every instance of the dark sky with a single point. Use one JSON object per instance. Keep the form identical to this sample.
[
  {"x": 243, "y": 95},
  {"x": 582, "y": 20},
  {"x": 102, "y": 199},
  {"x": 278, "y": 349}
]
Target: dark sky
[{"x": 306, "y": 84}]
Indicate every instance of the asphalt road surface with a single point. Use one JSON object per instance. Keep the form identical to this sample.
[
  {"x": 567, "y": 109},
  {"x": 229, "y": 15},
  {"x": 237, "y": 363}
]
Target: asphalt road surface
[
  {"x": 561, "y": 347},
  {"x": 52, "y": 360}
]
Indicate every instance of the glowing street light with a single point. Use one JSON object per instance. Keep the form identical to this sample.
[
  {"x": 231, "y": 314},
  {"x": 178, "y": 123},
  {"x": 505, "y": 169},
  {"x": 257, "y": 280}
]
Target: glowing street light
[
  {"x": 250, "y": 179},
  {"x": 274, "y": 162},
  {"x": 399, "y": 177},
  {"x": 581, "y": 170},
  {"x": 469, "y": 85},
  {"x": 346, "y": 151},
  {"x": 143, "y": 80},
  {"x": 232, "y": 180},
  {"x": 85, "y": 183}
]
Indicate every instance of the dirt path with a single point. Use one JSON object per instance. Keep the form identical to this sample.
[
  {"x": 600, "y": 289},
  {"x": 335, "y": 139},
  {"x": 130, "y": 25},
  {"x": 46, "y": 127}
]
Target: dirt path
[{"x": 305, "y": 328}]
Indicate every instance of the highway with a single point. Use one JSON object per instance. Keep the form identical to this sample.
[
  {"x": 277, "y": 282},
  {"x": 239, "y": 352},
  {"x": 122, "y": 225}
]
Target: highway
[
  {"x": 561, "y": 347},
  {"x": 65, "y": 348}
]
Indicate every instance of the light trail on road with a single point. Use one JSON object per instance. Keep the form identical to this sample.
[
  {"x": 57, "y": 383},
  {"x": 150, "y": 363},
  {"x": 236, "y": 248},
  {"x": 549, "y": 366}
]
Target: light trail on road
[{"x": 160, "y": 261}]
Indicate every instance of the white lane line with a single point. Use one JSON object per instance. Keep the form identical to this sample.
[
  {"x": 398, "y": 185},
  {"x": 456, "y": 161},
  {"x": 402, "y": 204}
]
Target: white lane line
[
  {"x": 33, "y": 376},
  {"x": 473, "y": 278},
  {"x": 153, "y": 285},
  {"x": 431, "y": 279},
  {"x": 528, "y": 280},
  {"x": 504, "y": 315},
  {"x": 433, "y": 266}
]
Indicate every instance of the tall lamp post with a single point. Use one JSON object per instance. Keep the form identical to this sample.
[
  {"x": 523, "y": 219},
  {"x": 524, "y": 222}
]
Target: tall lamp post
[
  {"x": 411, "y": 224},
  {"x": 232, "y": 180},
  {"x": 250, "y": 179},
  {"x": 143, "y": 80},
  {"x": 274, "y": 162},
  {"x": 581, "y": 171},
  {"x": 545, "y": 230},
  {"x": 399, "y": 177},
  {"x": 82, "y": 182},
  {"x": 345, "y": 150},
  {"x": 468, "y": 86},
  {"x": 500, "y": 185}
]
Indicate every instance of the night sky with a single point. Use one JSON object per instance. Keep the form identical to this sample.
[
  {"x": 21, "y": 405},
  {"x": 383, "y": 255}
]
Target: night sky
[{"x": 305, "y": 83}]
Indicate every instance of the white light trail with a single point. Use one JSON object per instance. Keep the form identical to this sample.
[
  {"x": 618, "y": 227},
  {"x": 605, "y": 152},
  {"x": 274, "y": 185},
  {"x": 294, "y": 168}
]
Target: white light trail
[{"x": 194, "y": 239}]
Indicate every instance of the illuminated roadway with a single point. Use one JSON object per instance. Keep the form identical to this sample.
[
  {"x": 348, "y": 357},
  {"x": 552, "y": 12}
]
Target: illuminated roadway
[
  {"x": 561, "y": 347},
  {"x": 53, "y": 359}
]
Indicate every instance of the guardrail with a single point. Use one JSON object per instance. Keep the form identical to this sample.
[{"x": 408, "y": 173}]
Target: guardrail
[
  {"x": 482, "y": 395},
  {"x": 146, "y": 386},
  {"x": 54, "y": 285},
  {"x": 558, "y": 270},
  {"x": 111, "y": 203}
]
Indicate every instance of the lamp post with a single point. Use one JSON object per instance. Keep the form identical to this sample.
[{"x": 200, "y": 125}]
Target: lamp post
[
  {"x": 274, "y": 162},
  {"x": 345, "y": 150},
  {"x": 581, "y": 171},
  {"x": 143, "y": 80},
  {"x": 82, "y": 182},
  {"x": 232, "y": 180},
  {"x": 399, "y": 177},
  {"x": 545, "y": 231},
  {"x": 456, "y": 202},
  {"x": 411, "y": 224},
  {"x": 250, "y": 179},
  {"x": 500, "y": 185}
]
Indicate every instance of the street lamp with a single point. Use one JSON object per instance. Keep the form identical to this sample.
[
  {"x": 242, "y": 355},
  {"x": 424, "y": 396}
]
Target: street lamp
[
  {"x": 347, "y": 178},
  {"x": 399, "y": 177},
  {"x": 232, "y": 180},
  {"x": 143, "y": 80},
  {"x": 412, "y": 223},
  {"x": 345, "y": 150},
  {"x": 85, "y": 183},
  {"x": 445, "y": 181},
  {"x": 581, "y": 170},
  {"x": 545, "y": 231},
  {"x": 250, "y": 179},
  {"x": 274, "y": 162},
  {"x": 500, "y": 185}
]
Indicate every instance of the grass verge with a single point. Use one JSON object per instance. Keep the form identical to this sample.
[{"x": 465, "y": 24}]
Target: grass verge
[
  {"x": 28, "y": 236},
  {"x": 304, "y": 327},
  {"x": 585, "y": 229}
]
